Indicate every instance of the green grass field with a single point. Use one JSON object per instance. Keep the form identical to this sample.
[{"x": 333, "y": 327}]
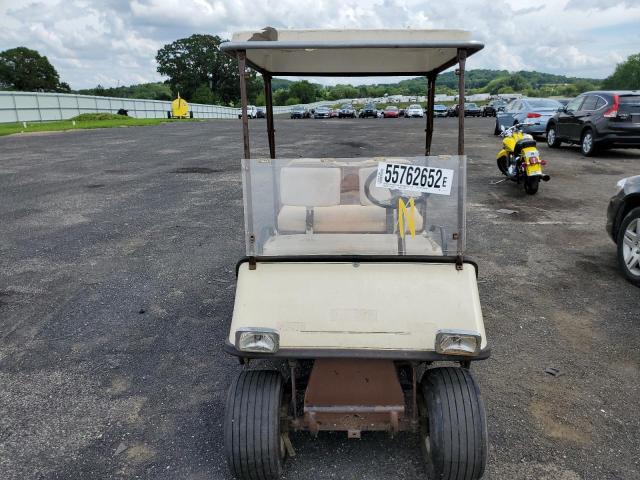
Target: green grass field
[{"x": 81, "y": 122}]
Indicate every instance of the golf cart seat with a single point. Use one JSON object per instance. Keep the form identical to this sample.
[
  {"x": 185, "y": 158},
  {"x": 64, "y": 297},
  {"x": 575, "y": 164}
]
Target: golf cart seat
[
  {"x": 312, "y": 195},
  {"x": 313, "y": 221}
]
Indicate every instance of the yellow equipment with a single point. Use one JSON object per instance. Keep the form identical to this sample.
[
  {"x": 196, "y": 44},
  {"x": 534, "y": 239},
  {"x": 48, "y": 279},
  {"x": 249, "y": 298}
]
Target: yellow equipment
[{"x": 179, "y": 109}]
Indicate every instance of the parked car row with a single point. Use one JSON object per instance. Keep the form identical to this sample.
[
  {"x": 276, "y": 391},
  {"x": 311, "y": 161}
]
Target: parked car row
[
  {"x": 593, "y": 120},
  {"x": 597, "y": 120}
]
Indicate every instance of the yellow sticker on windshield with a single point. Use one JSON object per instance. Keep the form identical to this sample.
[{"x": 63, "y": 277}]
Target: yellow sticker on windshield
[{"x": 408, "y": 215}]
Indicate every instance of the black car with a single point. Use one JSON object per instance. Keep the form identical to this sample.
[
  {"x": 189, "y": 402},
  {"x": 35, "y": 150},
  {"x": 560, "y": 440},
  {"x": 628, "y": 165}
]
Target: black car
[
  {"x": 623, "y": 226},
  {"x": 472, "y": 110},
  {"x": 260, "y": 113},
  {"x": 299, "y": 112},
  {"x": 369, "y": 110},
  {"x": 602, "y": 119},
  {"x": 493, "y": 108}
]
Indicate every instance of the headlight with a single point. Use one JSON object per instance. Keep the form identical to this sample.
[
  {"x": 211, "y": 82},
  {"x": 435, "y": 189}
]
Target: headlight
[
  {"x": 457, "y": 342},
  {"x": 261, "y": 340}
]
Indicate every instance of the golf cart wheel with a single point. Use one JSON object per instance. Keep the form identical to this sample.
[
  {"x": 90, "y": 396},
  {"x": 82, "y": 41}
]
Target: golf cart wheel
[
  {"x": 629, "y": 246},
  {"x": 454, "y": 436},
  {"x": 253, "y": 445},
  {"x": 531, "y": 185}
]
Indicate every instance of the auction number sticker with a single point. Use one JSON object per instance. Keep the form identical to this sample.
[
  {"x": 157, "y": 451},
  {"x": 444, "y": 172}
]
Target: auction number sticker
[{"x": 414, "y": 177}]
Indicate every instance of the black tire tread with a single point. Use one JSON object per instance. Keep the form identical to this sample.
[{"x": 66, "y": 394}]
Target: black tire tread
[
  {"x": 531, "y": 185},
  {"x": 251, "y": 425},
  {"x": 458, "y": 424}
]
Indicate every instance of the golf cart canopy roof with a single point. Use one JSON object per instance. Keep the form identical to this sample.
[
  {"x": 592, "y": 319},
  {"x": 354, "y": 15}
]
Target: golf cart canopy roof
[{"x": 351, "y": 52}]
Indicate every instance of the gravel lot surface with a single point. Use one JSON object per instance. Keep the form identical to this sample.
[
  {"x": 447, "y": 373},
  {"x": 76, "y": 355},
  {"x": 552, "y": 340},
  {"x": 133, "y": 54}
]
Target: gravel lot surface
[{"x": 117, "y": 254}]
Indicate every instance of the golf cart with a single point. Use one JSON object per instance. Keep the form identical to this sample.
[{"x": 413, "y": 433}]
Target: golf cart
[{"x": 355, "y": 280}]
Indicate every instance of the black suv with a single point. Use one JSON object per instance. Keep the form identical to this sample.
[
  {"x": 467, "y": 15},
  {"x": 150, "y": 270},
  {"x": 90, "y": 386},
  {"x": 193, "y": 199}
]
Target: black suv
[
  {"x": 623, "y": 226},
  {"x": 369, "y": 111},
  {"x": 598, "y": 120},
  {"x": 492, "y": 109},
  {"x": 471, "y": 110}
]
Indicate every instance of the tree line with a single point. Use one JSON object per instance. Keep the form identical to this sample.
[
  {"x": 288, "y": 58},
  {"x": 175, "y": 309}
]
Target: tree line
[{"x": 197, "y": 70}]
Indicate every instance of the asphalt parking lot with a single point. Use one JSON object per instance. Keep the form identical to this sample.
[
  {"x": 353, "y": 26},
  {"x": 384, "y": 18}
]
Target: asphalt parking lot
[{"x": 117, "y": 254}]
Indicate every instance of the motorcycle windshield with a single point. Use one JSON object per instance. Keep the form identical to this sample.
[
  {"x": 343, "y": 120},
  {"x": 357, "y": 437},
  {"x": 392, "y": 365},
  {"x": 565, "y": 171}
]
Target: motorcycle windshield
[{"x": 375, "y": 206}]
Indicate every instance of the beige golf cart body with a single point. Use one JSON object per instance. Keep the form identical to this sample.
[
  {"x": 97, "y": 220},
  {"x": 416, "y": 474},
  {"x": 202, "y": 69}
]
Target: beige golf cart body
[
  {"x": 355, "y": 280},
  {"x": 328, "y": 269}
]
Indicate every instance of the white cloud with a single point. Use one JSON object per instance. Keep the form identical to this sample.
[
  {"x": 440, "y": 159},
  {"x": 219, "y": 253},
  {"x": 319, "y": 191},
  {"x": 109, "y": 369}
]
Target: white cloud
[{"x": 115, "y": 41}]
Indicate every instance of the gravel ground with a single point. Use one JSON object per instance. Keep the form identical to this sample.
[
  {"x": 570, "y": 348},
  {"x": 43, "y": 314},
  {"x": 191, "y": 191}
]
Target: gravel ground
[{"x": 117, "y": 251}]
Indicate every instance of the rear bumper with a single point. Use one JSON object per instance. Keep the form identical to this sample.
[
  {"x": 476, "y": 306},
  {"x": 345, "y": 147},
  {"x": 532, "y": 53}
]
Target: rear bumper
[
  {"x": 620, "y": 139},
  {"x": 537, "y": 129}
]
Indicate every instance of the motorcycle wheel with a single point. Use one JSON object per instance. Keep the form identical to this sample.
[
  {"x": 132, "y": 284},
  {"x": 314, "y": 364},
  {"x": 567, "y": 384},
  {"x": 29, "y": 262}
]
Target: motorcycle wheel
[
  {"x": 502, "y": 165},
  {"x": 531, "y": 185}
]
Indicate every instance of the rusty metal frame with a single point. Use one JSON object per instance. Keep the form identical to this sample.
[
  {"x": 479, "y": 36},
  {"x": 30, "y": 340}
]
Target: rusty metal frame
[
  {"x": 268, "y": 95},
  {"x": 431, "y": 92},
  {"x": 431, "y": 85},
  {"x": 462, "y": 178},
  {"x": 242, "y": 70}
]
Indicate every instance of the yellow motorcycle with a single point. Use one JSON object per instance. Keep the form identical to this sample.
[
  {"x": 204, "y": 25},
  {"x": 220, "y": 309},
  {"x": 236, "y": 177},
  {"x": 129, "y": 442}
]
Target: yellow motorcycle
[{"x": 520, "y": 159}]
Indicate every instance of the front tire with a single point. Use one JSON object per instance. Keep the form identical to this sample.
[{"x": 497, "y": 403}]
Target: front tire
[
  {"x": 531, "y": 185},
  {"x": 455, "y": 435},
  {"x": 587, "y": 144},
  {"x": 252, "y": 441},
  {"x": 629, "y": 246},
  {"x": 496, "y": 130},
  {"x": 552, "y": 137}
]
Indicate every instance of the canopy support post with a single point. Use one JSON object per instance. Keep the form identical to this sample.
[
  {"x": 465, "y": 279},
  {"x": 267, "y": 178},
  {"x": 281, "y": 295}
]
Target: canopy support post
[
  {"x": 268, "y": 95},
  {"x": 462, "y": 167},
  {"x": 242, "y": 66},
  {"x": 431, "y": 92},
  {"x": 462, "y": 59}
]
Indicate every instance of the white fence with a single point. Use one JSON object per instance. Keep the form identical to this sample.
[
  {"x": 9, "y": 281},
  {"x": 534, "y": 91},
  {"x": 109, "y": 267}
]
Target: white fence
[{"x": 37, "y": 107}]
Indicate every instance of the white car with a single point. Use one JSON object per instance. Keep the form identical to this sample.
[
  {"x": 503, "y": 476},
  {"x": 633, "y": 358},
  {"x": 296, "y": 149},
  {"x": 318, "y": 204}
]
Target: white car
[
  {"x": 414, "y": 111},
  {"x": 252, "y": 112}
]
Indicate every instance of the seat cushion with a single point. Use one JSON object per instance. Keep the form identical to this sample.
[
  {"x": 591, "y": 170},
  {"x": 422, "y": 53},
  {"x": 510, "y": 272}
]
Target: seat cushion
[
  {"x": 310, "y": 186},
  {"x": 336, "y": 219},
  {"x": 523, "y": 143}
]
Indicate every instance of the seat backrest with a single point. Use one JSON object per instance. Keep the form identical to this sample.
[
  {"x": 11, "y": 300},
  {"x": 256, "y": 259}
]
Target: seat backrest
[{"x": 310, "y": 186}]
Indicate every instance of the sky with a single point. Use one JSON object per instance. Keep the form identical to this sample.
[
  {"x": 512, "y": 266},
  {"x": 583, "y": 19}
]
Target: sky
[{"x": 114, "y": 42}]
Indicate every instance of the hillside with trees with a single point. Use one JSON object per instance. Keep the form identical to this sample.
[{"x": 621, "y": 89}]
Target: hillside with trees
[{"x": 150, "y": 91}]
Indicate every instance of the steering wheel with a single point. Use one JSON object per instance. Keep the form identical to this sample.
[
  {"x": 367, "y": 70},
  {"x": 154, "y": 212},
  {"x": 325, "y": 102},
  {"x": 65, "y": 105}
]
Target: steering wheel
[{"x": 396, "y": 195}]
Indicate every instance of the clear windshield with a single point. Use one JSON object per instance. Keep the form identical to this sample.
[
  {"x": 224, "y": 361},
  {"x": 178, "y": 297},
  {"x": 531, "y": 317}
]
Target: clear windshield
[{"x": 354, "y": 206}]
